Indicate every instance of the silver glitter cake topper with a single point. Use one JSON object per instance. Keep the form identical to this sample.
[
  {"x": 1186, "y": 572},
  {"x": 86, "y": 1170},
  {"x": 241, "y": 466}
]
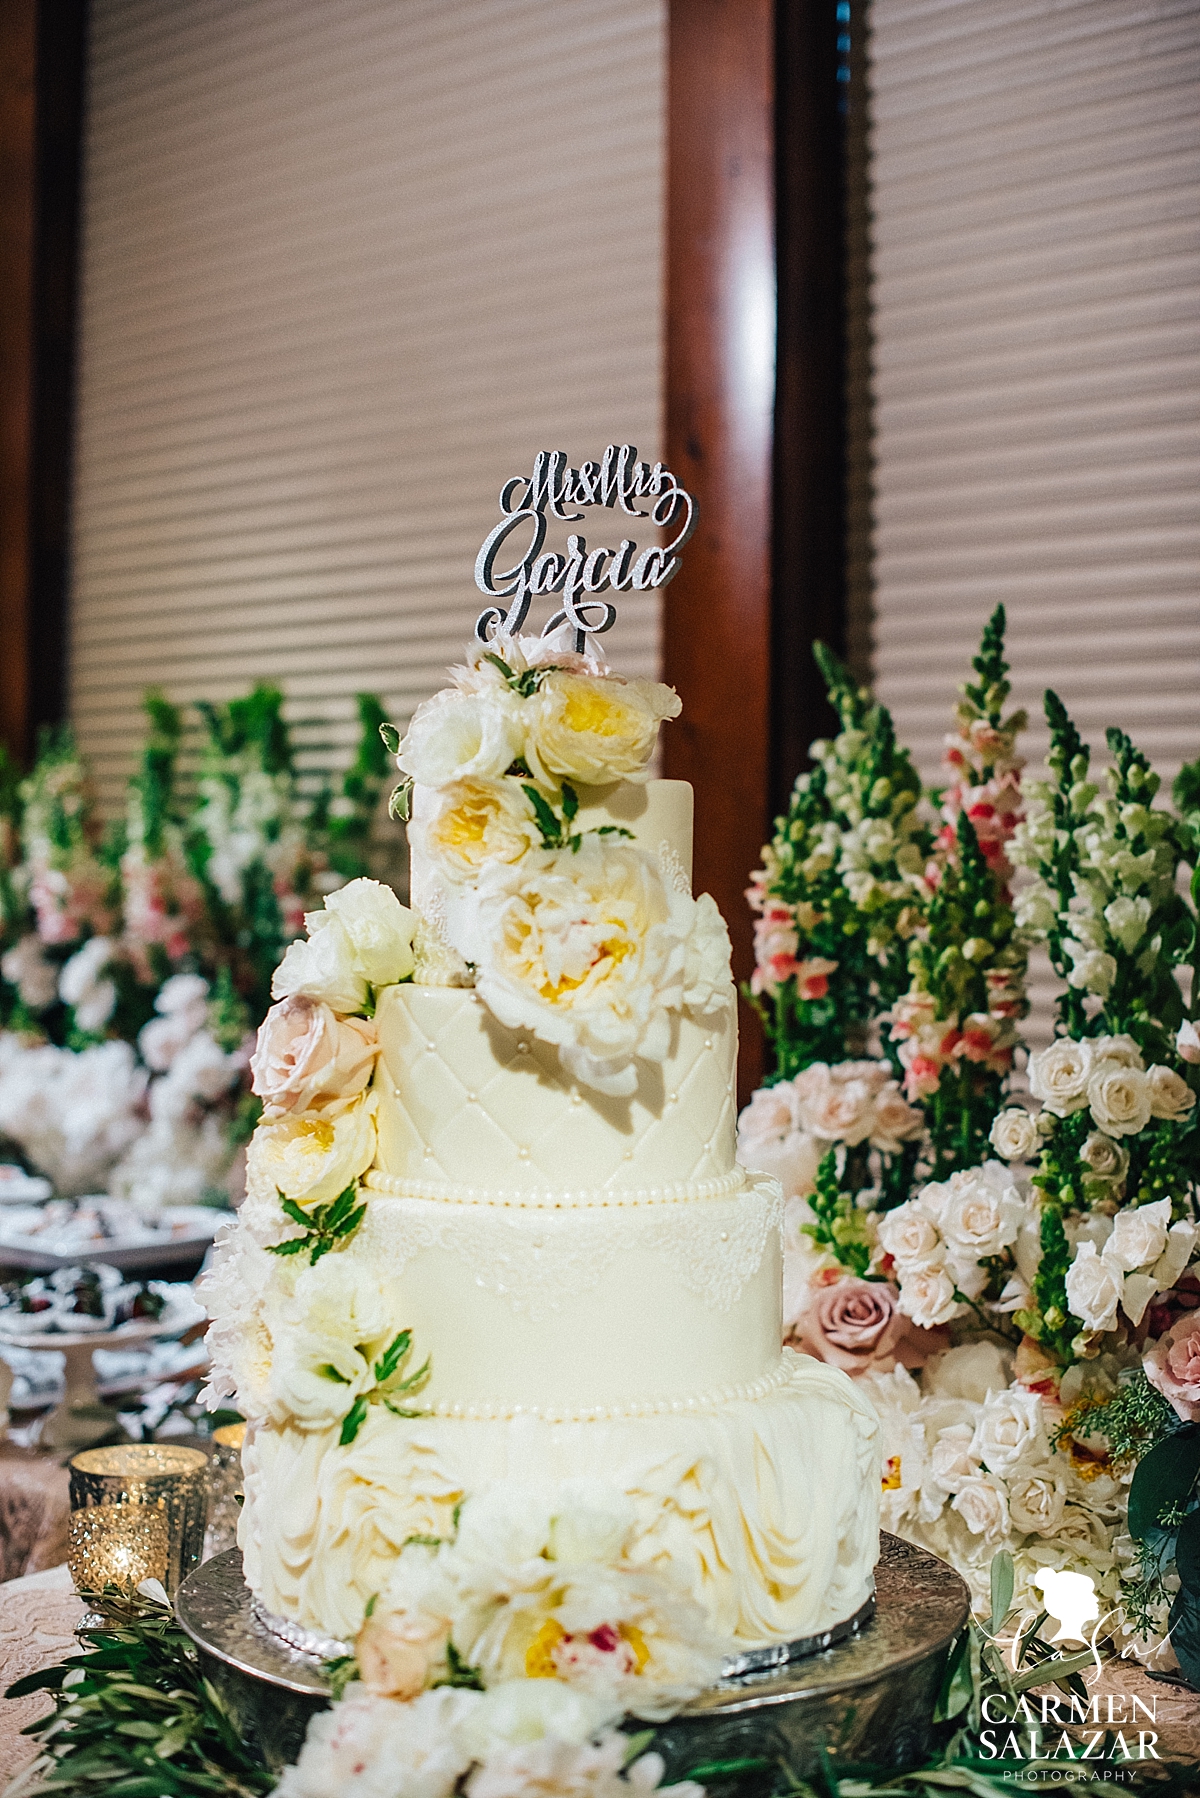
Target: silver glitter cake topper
[{"x": 555, "y": 489}]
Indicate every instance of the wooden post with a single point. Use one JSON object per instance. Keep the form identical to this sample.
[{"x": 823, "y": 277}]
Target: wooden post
[{"x": 720, "y": 400}]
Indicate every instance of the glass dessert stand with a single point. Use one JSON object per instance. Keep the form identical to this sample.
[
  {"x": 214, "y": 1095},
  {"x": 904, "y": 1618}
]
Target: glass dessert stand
[
  {"x": 868, "y": 1695},
  {"x": 81, "y": 1418}
]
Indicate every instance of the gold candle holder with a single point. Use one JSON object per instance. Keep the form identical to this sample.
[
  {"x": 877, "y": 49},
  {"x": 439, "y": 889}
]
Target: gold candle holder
[
  {"x": 150, "y": 1476},
  {"x": 224, "y": 1489},
  {"x": 117, "y": 1545}
]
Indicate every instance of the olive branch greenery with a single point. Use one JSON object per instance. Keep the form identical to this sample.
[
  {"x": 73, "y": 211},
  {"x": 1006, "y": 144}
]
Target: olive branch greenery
[
  {"x": 556, "y": 832},
  {"x": 324, "y": 1227}
]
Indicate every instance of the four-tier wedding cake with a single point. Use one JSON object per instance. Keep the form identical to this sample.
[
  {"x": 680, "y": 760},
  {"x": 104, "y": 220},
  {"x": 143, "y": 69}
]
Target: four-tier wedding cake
[{"x": 500, "y": 1308}]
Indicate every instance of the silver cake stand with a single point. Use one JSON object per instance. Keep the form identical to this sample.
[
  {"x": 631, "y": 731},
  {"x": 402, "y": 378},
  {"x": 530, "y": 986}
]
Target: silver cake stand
[{"x": 864, "y": 1693}]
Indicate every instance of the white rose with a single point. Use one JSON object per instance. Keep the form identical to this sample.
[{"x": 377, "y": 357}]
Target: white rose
[
  {"x": 1170, "y": 1096},
  {"x": 1181, "y": 1240},
  {"x": 1187, "y": 1042},
  {"x": 793, "y": 1160},
  {"x": 1139, "y": 1236},
  {"x": 1036, "y": 1502},
  {"x": 1119, "y": 1097},
  {"x": 983, "y": 1507},
  {"x": 1010, "y": 1430},
  {"x": 379, "y": 928},
  {"x": 312, "y": 1160},
  {"x": 834, "y": 1110},
  {"x": 1014, "y": 1134},
  {"x": 457, "y": 736},
  {"x": 306, "y": 1057},
  {"x": 1117, "y": 1048},
  {"x": 1093, "y": 1289},
  {"x": 1127, "y": 919},
  {"x": 473, "y": 822},
  {"x": 909, "y": 1235},
  {"x": 322, "y": 967},
  {"x": 951, "y": 1461},
  {"x": 894, "y": 1120},
  {"x": 594, "y": 729},
  {"x": 927, "y": 1296},
  {"x": 1108, "y": 1160},
  {"x": 1058, "y": 1076},
  {"x": 983, "y": 1212},
  {"x": 971, "y": 1371}
]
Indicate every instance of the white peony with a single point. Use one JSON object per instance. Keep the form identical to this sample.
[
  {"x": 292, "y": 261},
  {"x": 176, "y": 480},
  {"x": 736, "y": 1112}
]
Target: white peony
[
  {"x": 1010, "y": 1430},
  {"x": 1170, "y": 1096},
  {"x": 982, "y": 1212},
  {"x": 338, "y": 1319},
  {"x": 313, "y": 1159},
  {"x": 80, "y": 985},
  {"x": 1014, "y": 1134},
  {"x": 1139, "y": 1236},
  {"x": 530, "y": 1710},
  {"x": 463, "y": 736},
  {"x": 589, "y": 951},
  {"x": 1119, "y": 1097},
  {"x": 707, "y": 957},
  {"x": 369, "y": 1747},
  {"x": 971, "y": 1371},
  {"x": 594, "y": 729},
  {"x": 1058, "y": 1076},
  {"x": 1093, "y": 1289}
]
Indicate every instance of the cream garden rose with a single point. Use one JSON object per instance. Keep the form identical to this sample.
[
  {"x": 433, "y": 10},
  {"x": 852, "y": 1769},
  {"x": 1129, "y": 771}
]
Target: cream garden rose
[
  {"x": 594, "y": 729},
  {"x": 475, "y": 822},
  {"x": 1170, "y": 1095},
  {"x": 590, "y": 951},
  {"x": 982, "y": 1211},
  {"x": 311, "y": 1159},
  {"x": 1093, "y": 1288},
  {"x": 306, "y": 1057}
]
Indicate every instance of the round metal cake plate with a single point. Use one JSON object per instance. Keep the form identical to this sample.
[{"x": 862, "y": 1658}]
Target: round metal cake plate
[{"x": 870, "y": 1697}]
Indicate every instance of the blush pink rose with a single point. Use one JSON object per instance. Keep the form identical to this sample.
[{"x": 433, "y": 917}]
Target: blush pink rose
[
  {"x": 1173, "y": 1365},
  {"x": 307, "y": 1056},
  {"x": 857, "y": 1325}
]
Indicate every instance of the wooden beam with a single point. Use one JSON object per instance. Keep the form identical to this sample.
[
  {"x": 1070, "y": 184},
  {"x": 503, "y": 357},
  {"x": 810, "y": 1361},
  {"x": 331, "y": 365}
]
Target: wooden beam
[
  {"x": 720, "y": 398},
  {"x": 18, "y": 41}
]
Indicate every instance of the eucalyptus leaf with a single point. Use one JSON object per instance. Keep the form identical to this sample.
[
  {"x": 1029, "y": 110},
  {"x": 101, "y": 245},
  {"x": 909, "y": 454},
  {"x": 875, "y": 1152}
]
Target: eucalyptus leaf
[{"x": 1003, "y": 1580}]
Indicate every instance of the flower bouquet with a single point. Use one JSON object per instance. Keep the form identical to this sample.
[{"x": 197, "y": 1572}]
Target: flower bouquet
[
  {"x": 136, "y": 956},
  {"x": 1008, "y": 1254}
]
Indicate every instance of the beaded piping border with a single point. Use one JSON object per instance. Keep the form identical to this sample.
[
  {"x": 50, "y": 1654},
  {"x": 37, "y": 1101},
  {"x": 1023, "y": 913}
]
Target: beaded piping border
[
  {"x": 505, "y": 1410},
  {"x": 308, "y": 1642},
  {"x": 398, "y": 1186}
]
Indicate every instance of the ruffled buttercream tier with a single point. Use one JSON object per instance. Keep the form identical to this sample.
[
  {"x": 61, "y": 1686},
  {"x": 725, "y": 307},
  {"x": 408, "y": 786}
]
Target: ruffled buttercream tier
[{"x": 766, "y": 1507}]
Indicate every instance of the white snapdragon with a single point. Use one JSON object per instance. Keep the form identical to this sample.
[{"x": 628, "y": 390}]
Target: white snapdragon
[{"x": 83, "y": 986}]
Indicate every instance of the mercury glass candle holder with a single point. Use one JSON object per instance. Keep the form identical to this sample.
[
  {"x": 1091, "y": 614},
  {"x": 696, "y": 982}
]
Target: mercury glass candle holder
[
  {"x": 224, "y": 1489},
  {"x": 117, "y": 1545},
  {"x": 150, "y": 1476}
]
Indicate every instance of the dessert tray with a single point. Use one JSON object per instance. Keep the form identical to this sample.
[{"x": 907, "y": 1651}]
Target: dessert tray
[{"x": 64, "y": 1232}]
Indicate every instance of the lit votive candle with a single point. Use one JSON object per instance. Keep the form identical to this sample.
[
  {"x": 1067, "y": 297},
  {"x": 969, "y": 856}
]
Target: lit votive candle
[{"x": 170, "y": 1482}]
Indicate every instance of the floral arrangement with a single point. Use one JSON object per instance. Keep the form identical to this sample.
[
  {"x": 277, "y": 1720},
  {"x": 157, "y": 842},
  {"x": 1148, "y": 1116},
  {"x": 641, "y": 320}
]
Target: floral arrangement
[
  {"x": 1013, "y": 1267},
  {"x": 136, "y": 958},
  {"x": 583, "y": 939}
]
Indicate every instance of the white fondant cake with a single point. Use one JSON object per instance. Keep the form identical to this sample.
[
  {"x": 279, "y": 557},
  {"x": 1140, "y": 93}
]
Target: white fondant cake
[{"x": 551, "y": 1208}]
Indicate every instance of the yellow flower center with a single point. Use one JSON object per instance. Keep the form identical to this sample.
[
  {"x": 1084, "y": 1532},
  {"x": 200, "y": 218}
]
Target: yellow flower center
[
  {"x": 589, "y": 709},
  {"x": 539, "y": 1656}
]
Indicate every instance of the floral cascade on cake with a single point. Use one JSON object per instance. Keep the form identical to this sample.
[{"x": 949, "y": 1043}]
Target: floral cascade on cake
[
  {"x": 1015, "y": 1274},
  {"x": 500, "y": 1307}
]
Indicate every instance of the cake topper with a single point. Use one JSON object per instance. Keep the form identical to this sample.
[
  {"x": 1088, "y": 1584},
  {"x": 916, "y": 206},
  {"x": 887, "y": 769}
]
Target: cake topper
[{"x": 582, "y": 573}]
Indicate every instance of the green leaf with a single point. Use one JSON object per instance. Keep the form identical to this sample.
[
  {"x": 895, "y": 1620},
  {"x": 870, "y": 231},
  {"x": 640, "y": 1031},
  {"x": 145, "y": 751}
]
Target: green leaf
[
  {"x": 391, "y": 738},
  {"x": 570, "y": 803},
  {"x": 422, "y": 1542},
  {"x": 353, "y": 1421},
  {"x": 292, "y": 1210},
  {"x": 1164, "y": 1477},
  {"x": 547, "y": 823},
  {"x": 400, "y": 801},
  {"x": 1003, "y": 1581},
  {"x": 392, "y": 1356},
  {"x": 330, "y": 1372},
  {"x": 1057, "y": 1668},
  {"x": 459, "y": 1673},
  {"x": 349, "y": 1225},
  {"x": 340, "y": 1208},
  {"x": 957, "y": 1684},
  {"x": 501, "y": 664},
  {"x": 292, "y": 1246}
]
